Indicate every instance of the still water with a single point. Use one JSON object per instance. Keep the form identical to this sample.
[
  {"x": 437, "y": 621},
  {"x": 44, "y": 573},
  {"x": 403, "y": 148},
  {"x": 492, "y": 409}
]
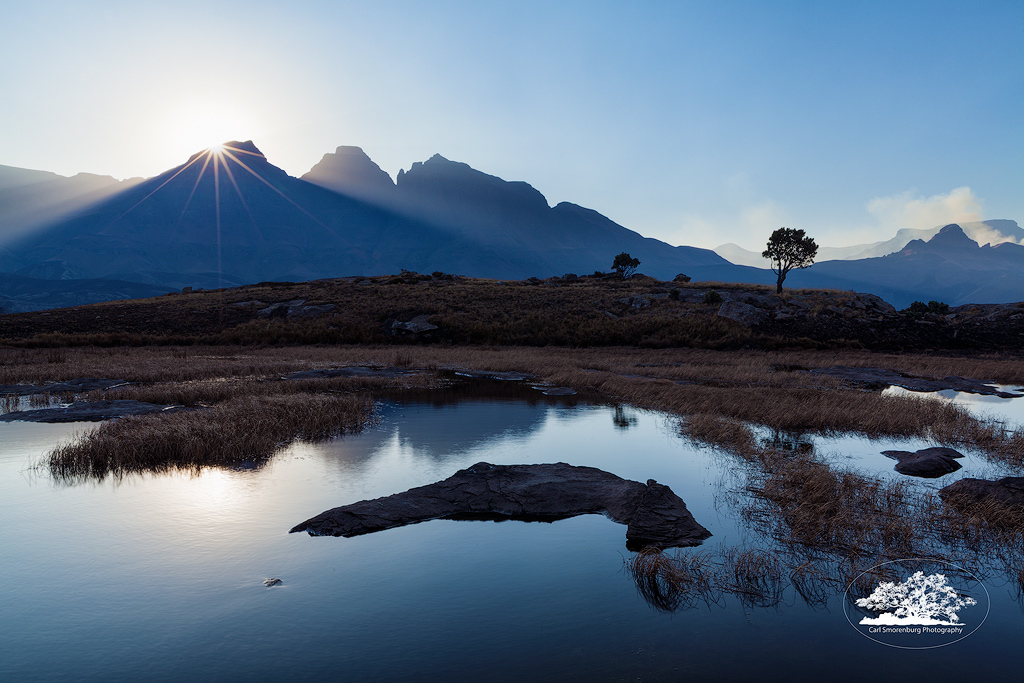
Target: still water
[{"x": 160, "y": 577}]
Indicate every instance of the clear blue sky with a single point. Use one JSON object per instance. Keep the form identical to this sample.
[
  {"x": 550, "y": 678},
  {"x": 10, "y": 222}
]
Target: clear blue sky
[{"x": 694, "y": 122}]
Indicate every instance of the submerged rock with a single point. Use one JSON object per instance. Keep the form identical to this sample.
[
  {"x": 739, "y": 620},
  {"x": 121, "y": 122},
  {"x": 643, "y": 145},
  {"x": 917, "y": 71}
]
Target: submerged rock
[
  {"x": 77, "y": 386},
  {"x": 654, "y": 515},
  {"x": 86, "y": 411},
  {"x": 927, "y": 462},
  {"x": 1008, "y": 490}
]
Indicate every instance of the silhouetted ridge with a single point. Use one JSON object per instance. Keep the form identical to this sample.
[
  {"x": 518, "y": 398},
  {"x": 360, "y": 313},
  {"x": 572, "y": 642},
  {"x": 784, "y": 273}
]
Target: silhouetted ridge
[
  {"x": 349, "y": 171},
  {"x": 952, "y": 236}
]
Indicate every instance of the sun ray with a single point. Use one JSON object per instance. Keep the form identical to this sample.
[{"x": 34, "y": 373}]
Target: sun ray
[
  {"x": 136, "y": 205},
  {"x": 216, "y": 203},
  {"x": 226, "y": 147},
  {"x": 238, "y": 191},
  {"x": 188, "y": 201},
  {"x": 283, "y": 195}
]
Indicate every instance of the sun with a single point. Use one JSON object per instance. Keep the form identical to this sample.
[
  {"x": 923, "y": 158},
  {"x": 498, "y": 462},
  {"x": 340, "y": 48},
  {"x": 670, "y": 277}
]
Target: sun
[{"x": 205, "y": 126}]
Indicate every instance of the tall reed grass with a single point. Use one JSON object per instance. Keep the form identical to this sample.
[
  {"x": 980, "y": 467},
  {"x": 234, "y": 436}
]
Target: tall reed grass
[{"x": 243, "y": 431}]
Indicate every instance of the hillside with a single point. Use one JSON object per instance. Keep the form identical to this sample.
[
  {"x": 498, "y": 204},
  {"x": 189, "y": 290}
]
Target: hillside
[{"x": 574, "y": 312}]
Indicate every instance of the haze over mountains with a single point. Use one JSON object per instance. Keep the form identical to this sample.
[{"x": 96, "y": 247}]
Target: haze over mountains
[{"x": 228, "y": 216}]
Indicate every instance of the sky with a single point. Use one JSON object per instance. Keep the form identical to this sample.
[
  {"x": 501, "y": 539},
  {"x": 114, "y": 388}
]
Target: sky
[{"x": 697, "y": 123}]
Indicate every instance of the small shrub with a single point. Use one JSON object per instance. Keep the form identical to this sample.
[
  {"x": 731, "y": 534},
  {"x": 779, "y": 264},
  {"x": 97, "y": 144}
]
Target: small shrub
[
  {"x": 712, "y": 297},
  {"x": 673, "y": 294}
]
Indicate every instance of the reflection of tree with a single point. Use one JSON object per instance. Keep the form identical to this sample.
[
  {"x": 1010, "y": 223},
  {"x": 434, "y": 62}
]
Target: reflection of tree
[
  {"x": 918, "y": 598},
  {"x": 796, "y": 442},
  {"x": 622, "y": 419}
]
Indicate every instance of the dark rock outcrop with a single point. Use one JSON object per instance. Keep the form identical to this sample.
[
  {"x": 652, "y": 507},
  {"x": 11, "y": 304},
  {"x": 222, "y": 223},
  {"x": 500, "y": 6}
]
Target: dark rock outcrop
[
  {"x": 969, "y": 491},
  {"x": 927, "y": 462},
  {"x": 654, "y": 515},
  {"x": 879, "y": 376},
  {"x": 351, "y": 371},
  {"x": 86, "y": 411}
]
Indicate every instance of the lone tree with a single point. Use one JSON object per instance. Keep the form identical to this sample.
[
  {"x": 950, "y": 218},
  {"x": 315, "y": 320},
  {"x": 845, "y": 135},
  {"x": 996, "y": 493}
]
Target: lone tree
[
  {"x": 789, "y": 249},
  {"x": 625, "y": 265}
]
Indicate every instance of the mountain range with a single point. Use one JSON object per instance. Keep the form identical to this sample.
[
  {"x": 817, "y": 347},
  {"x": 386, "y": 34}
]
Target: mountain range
[
  {"x": 984, "y": 232},
  {"x": 227, "y": 216}
]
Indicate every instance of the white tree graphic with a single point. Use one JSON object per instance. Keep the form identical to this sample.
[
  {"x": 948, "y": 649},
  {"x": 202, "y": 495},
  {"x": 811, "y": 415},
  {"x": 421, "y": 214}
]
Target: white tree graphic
[{"x": 918, "y": 600}]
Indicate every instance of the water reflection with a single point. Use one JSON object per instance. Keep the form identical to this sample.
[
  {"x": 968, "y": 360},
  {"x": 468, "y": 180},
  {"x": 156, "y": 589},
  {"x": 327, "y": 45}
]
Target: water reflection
[
  {"x": 125, "y": 577},
  {"x": 790, "y": 441},
  {"x": 623, "y": 418}
]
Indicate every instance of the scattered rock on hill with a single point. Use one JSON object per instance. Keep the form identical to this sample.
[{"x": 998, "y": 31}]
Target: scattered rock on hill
[
  {"x": 744, "y": 314},
  {"x": 654, "y": 515},
  {"x": 418, "y": 327},
  {"x": 927, "y": 462},
  {"x": 296, "y": 308}
]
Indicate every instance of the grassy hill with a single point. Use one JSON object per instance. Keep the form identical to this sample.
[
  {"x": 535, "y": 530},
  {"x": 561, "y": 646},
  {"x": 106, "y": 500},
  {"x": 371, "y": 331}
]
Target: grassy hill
[{"x": 573, "y": 312}]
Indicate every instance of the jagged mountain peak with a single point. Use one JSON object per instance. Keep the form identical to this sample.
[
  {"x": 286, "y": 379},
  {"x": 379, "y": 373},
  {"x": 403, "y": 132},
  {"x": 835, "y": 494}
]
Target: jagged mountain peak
[
  {"x": 952, "y": 236},
  {"x": 350, "y": 171}
]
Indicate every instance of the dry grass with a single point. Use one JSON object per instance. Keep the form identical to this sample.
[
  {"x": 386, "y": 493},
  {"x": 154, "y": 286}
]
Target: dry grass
[
  {"x": 672, "y": 582},
  {"x": 718, "y": 393},
  {"x": 240, "y": 432},
  {"x": 800, "y": 500}
]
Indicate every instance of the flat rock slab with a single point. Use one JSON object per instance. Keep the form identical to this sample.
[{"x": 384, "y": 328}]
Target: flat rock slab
[
  {"x": 86, "y": 411},
  {"x": 925, "y": 384},
  {"x": 77, "y": 386},
  {"x": 504, "y": 376},
  {"x": 1008, "y": 490},
  {"x": 351, "y": 371},
  {"x": 927, "y": 462},
  {"x": 654, "y": 515},
  {"x": 557, "y": 391}
]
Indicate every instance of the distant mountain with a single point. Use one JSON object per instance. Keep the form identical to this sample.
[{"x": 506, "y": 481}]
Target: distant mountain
[
  {"x": 20, "y": 294},
  {"x": 984, "y": 232},
  {"x": 31, "y": 198},
  {"x": 230, "y": 217},
  {"x": 949, "y": 267}
]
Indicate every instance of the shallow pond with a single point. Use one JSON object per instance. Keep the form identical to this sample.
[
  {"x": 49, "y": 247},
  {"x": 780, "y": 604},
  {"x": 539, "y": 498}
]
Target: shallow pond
[{"x": 161, "y": 577}]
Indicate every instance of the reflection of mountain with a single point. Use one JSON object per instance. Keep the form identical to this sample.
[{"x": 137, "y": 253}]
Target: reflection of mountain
[{"x": 458, "y": 420}]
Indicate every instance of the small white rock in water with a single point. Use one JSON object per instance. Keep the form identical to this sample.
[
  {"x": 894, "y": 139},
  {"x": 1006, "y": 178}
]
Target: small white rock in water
[{"x": 272, "y": 582}]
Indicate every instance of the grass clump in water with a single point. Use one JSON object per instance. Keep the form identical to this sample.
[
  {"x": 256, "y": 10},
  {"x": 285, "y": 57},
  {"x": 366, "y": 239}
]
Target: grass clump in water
[{"x": 241, "y": 431}]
